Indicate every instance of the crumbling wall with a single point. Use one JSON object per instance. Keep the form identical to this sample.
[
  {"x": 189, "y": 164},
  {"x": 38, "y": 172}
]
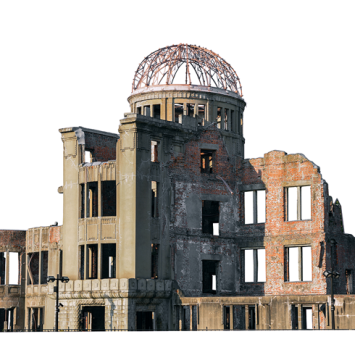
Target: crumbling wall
[{"x": 101, "y": 146}]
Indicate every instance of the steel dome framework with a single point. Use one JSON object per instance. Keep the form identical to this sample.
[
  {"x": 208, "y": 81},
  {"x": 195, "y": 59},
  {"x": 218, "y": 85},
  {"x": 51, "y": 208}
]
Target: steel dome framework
[{"x": 161, "y": 67}]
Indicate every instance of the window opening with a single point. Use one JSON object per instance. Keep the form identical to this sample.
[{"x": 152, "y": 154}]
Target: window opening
[
  {"x": 154, "y": 199},
  {"x": 154, "y": 261},
  {"x": 139, "y": 110},
  {"x": 147, "y": 111},
  {"x": 299, "y": 264},
  {"x": 294, "y": 317},
  {"x": 179, "y": 111},
  {"x": 207, "y": 161},
  {"x": 233, "y": 121},
  {"x": 298, "y": 203},
  {"x": 226, "y": 114},
  {"x": 33, "y": 268},
  {"x": 93, "y": 318},
  {"x": 349, "y": 282},
  {"x": 255, "y": 207},
  {"x": 14, "y": 275},
  {"x": 210, "y": 217},
  {"x": 144, "y": 320},
  {"x": 156, "y": 111},
  {"x": 82, "y": 262},
  {"x": 226, "y": 314},
  {"x": 92, "y": 261},
  {"x": 307, "y": 317},
  {"x": 251, "y": 317},
  {"x": 2, "y": 268},
  {"x": 108, "y": 198},
  {"x": 60, "y": 263},
  {"x": 209, "y": 276},
  {"x": 219, "y": 117},
  {"x": 108, "y": 261},
  {"x": 190, "y": 110},
  {"x": 44, "y": 267},
  {"x": 254, "y": 265},
  {"x": 201, "y": 111},
  {"x": 92, "y": 200},
  {"x": 154, "y": 151},
  {"x": 88, "y": 156},
  {"x": 82, "y": 200}
]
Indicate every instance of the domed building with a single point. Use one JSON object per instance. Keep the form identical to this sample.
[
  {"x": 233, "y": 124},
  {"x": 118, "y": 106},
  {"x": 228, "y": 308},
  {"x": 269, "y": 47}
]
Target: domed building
[{"x": 167, "y": 227}]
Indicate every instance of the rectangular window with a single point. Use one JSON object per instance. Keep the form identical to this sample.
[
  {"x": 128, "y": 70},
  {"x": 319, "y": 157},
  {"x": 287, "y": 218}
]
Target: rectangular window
[
  {"x": 298, "y": 203},
  {"x": 108, "y": 261},
  {"x": 254, "y": 207},
  {"x": 307, "y": 318},
  {"x": 254, "y": 265},
  {"x": 14, "y": 275},
  {"x": 92, "y": 261},
  {"x": 92, "y": 200},
  {"x": 108, "y": 198},
  {"x": 226, "y": 114},
  {"x": 44, "y": 267},
  {"x": 201, "y": 111},
  {"x": 294, "y": 317},
  {"x": 349, "y": 282},
  {"x": 226, "y": 317},
  {"x": 145, "y": 320},
  {"x": 209, "y": 276},
  {"x": 155, "y": 261},
  {"x": 154, "y": 151},
  {"x": 179, "y": 111},
  {"x": 2, "y": 268},
  {"x": 219, "y": 117},
  {"x": 156, "y": 111},
  {"x": 233, "y": 121},
  {"x": 210, "y": 217},
  {"x": 33, "y": 268},
  {"x": 190, "y": 110},
  {"x": 298, "y": 264},
  {"x": 147, "y": 110},
  {"x": 88, "y": 156},
  {"x": 82, "y": 200},
  {"x": 82, "y": 262},
  {"x": 206, "y": 161},
  {"x": 139, "y": 110},
  {"x": 251, "y": 316},
  {"x": 154, "y": 199}
]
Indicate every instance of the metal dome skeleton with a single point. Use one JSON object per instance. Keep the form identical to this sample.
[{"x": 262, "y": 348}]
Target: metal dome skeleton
[{"x": 161, "y": 67}]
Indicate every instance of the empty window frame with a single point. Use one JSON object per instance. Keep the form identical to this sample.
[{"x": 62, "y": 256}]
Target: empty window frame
[
  {"x": 254, "y": 207},
  {"x": 92, "y": 261},
  {"x": 14, "y": 268},
  {"x": 254, "y": 265},
  {"x": 147, "y": 110},
  {"x": 298, "y": 263},
  {"x": 207, "y": 161},
  {"x": 349, "y": 282},
  {"x": 154, "y": 260},
  {"x": 251, "y": 317},
  {"x": 154, "y": 151},
  {"x": 82, "y": 200},
  {"x": 210, "y": 217},
  {"x": 209, "y": 276},
  {"x": 44, "y": 267},
  {"x": 82, "y": 262},
  {"x": 233, "y": 125},
  {"x": 108, "y": 198},
  {"x": 201, "y": 112},
  {"x": 35, "y": 319},
  {"x": 307, "y": 318},
  {"x": 298, "y": 203},
  {"x": 294, "y": 317},
  {"x": 227, "y": 317},
  {"x": 225, "y": 122},
  {"x": 190, "y": 110},
  {"x": 88, "y": 156},
  {"x": 2, "y": 268},
  {"x": 154, "y": 199},
  {"x": 145, "y": 321},
  {"x": 92, "y": 200},
  {"x": 156, "y": 111},
  {"x": 139, "y": 110},
  {"x": 219, "y": 117},
  {"x": 108, "y": 261},
  {"x": 241, "y": 124},
  {"x": 33, "y": 268},
  {"x": 179, "y": 111}
]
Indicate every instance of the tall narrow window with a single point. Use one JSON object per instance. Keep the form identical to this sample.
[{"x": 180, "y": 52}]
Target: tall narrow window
[
  {"x": 154, "y": 151},
  {"x": 206, "y": 161},
  {"x": 201, "y": 111},
  {"x": 233, "y": 121},
  {"x": 191, "y": 110},
  {"x": 92, "y": 200},
  {"x": 226, "y": 114},
  {"x": 88, "y": 156},
  {"x": 254, "y": 265},
  {"x": 108, "y": 198},
  {"x": 82, "y": 200},
  {"x": 2, "y": 268},
  {"x": 210, "y": 217},
  {"x": 154, "y": 199},
  {"x": 298, "y": 203},
  {"x": 14, "y": 274},
  {"x": 44, "y": 267},
  {"x": 219, "y": 117},
  {"x": 156, "y": 111},
  {"x": 226, "y": 317},
  {"x": 209, "y": 276},
  {"x": 33, "y": 268},
  {"x": 307, "y": 317},
  {"x": 108, "y": 261},
  {"x": 139, "y": 110},
  {"x": 254, "y": 207},
  {"x": 92, "y": 261},
  {"x": 179, "y": 111},
  {"x": 147, "y": 110},
  {"x": 82, "y": 262},
  {"x": 298, "y": 264},
  {"x": 349, "y": 282},
  {"x": 155, "y": 261},
  {"x": 251, "y": 316}
]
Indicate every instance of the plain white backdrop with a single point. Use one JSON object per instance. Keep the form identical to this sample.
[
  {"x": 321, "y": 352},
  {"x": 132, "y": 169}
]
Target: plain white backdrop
[{"x": 70, "y": 63}]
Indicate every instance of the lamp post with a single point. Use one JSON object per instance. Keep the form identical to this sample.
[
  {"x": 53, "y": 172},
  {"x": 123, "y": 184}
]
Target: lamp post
[
  {"x": 332, "y": 275},
  {"x": 64, "y": 279}
]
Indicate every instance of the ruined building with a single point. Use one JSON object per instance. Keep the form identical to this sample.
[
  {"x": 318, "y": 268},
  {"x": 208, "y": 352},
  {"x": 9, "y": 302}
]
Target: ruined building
[{"x": 166, "y": 226}]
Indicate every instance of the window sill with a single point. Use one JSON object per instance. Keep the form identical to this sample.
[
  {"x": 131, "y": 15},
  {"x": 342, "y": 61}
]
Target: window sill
[
  {"x": 297, "y": 282},
  {"x": 300, "y": 220}
]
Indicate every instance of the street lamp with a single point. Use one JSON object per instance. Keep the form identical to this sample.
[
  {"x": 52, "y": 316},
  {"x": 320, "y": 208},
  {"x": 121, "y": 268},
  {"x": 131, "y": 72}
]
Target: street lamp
[
  {"x": 65, "y": 280},
  {"x": 332, "y": 275}
]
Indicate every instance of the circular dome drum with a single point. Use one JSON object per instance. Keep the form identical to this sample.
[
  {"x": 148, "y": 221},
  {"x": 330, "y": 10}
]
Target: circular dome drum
[{"x": 207, "y": 67}]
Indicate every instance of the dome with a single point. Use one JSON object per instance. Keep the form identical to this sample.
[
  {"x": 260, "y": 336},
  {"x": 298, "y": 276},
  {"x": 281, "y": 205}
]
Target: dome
[{"x": 206, "y": 67}]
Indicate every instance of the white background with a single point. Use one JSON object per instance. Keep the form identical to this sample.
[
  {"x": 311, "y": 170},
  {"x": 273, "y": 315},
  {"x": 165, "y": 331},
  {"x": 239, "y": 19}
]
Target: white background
[{"x": 70, "y": 63}]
